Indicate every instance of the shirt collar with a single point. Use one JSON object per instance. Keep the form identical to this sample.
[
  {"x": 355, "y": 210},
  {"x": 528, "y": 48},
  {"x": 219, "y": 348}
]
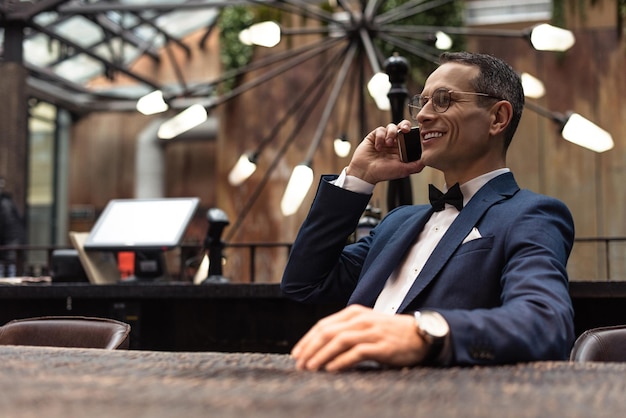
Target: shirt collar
[{"x": 470, "y": 188}]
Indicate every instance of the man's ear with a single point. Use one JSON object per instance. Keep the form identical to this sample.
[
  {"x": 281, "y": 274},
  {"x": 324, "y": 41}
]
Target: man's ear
[{"x": 501, "y": 114}]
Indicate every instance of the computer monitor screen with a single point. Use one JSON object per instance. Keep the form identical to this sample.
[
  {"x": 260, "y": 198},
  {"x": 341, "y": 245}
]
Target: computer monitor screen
[{"x": 142, "y": 224}]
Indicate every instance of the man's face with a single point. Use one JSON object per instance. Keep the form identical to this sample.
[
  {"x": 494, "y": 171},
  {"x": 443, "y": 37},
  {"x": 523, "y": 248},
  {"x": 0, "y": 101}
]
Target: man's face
[{"x": 456, "y": 141}]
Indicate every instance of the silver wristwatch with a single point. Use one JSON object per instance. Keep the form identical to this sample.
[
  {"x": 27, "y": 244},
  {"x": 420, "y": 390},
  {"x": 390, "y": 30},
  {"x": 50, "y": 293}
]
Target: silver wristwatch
[{"x": 434, "y": 329}]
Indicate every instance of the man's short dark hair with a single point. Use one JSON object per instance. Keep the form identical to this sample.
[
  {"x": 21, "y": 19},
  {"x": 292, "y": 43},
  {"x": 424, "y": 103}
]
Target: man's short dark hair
[{"x": 496, "y": 78}]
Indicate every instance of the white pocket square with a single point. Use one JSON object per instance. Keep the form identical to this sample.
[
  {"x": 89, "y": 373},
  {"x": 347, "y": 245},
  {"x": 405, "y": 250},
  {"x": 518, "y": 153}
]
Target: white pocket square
[{"x": 474, "y": 234}]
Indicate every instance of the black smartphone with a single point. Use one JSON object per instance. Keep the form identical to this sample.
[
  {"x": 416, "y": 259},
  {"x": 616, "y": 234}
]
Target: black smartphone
[{"x": 410, "y": 145}]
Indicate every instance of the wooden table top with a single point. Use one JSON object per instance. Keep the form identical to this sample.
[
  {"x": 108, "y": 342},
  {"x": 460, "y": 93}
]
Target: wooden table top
[{"x": 59, "y": 382}]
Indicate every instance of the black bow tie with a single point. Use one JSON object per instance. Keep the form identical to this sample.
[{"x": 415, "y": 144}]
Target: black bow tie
[{"x": 453, "y": 197}]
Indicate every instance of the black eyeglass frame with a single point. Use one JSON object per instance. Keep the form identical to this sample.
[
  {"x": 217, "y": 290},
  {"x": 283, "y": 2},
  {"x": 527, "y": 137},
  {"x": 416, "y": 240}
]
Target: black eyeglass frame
[{"x": 415, "y": 103}]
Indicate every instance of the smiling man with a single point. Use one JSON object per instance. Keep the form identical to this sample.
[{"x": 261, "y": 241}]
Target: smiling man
[{"x": 479, "y": 277}]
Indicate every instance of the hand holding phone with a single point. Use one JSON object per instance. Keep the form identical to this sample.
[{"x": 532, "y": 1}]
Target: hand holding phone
[{"x": 410, "y": 145}]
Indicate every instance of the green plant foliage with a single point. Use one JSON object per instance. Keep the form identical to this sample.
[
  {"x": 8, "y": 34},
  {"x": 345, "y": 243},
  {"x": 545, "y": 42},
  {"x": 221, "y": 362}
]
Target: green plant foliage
[
  {"x": 235, "y": 18},
  {"x": 450, "y": 14},
  {"x": 558, "y": 13},
  {"x": 579, "y": 8},
  {"x": 233, "y": 53}
]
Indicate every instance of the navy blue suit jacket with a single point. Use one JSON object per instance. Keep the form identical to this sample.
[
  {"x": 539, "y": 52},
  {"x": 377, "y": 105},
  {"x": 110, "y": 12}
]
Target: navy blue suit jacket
[{"x": 505, "y": 295}]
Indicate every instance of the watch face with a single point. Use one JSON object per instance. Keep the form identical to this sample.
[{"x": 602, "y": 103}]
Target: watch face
[{"x": 433, "y": 324}]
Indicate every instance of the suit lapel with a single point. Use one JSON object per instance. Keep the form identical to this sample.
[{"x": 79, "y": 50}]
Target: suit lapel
[
  {"x": 500, "y": 188},
  {"x": 392, "y": 254}
]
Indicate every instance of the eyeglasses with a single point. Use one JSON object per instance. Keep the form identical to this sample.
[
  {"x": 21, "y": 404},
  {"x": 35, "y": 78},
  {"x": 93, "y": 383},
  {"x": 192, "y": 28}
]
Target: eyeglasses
[{"x": 441, "y": 99}]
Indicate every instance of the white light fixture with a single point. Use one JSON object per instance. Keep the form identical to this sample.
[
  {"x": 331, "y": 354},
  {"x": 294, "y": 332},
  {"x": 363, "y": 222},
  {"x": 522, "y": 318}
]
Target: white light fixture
[
  {"x": 342, "y": 146},
  {"x": 245, "y": 166},
  {"x": 297, "y": 188},
  {"x": 378, "y": 87},
  {"x": 581, "y": 131},
  {"x": 152, "y": 103},
  {"x": 244, "y": 37},
  {"x": 443, "y": 41},
  {"x": 533, "y": 87},
  {"x": 546, "y": 37},
  {"x": 203, "y": 270},
  {"x": 265, "y": 34},
  {"x": 337, "y": 27},
  {"x": 184, "y": 121}
]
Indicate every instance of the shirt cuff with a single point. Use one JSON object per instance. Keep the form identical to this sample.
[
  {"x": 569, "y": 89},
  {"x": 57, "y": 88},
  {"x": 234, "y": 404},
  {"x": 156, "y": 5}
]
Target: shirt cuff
[{"x": 353, "y": 184}]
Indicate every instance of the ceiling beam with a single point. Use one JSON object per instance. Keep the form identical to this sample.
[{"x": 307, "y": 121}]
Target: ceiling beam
[
  {"x": 23, "y": 11},
  {"x": 91, "y": 54},
  {"x": 95, "y": 8}
]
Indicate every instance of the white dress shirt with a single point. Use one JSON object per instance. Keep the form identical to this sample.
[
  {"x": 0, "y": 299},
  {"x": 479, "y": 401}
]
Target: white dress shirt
[{"x": 401, "y": 280}]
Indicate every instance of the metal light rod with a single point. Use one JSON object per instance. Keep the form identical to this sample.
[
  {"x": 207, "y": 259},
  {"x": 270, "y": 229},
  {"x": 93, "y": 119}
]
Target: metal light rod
[
  {"x": 305, "y": 113},
  {"x": 246, "y": 164},
  {"x": 414, "y": 49},
  {"x": 577, "y": 129},
  {"x": 212, "y": 102},
  {"x": 553, "y": 116},
  {"x": 369, "y": 50},
  {"x": 263, "y": 62},
  {"x": 558, "y": 39},
  {"x": 408, "y": 9},
  {"x": 332, "y": 100}
]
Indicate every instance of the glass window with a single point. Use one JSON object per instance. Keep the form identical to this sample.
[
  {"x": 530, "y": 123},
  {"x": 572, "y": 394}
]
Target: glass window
[
  {"x": 40, "y": 199},
  {"x": 488, "y": 12}
]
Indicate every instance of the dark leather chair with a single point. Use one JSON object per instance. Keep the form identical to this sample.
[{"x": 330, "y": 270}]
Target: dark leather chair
[
  {"x": 66, "y": 331},
  {"x": 607, "y": 344}
]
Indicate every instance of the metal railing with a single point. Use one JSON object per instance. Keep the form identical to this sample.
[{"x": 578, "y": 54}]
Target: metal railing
[
  {"x": 598, "y": 259},
  {"x": 592, "y": 258},
  {"x": 193, "y": 253},
  {"x": 188, "y": 254}
]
